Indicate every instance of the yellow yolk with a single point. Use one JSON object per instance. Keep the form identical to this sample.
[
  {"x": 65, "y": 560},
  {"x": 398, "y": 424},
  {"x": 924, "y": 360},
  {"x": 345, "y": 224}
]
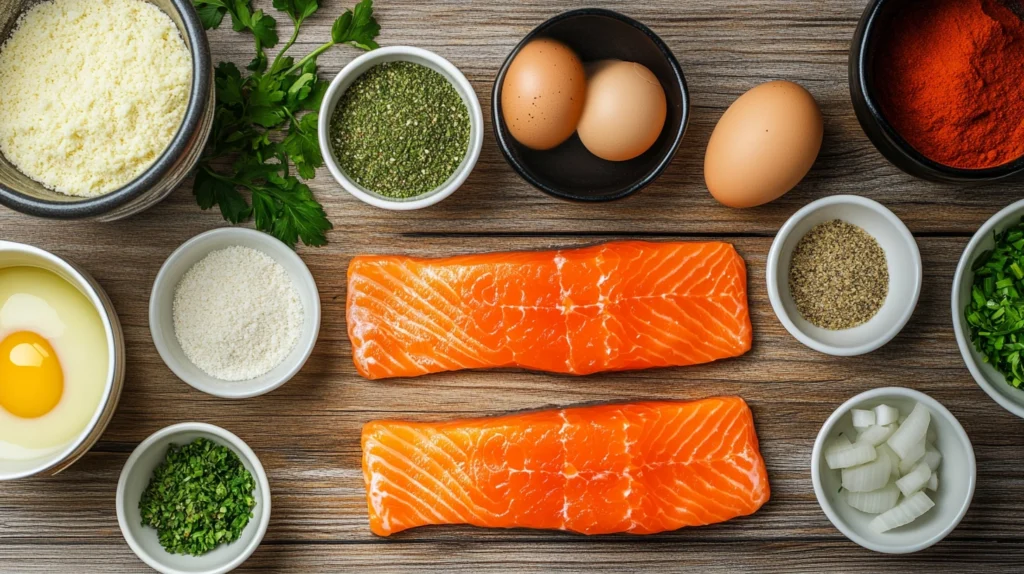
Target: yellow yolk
[{"x": 31, "y": 378}]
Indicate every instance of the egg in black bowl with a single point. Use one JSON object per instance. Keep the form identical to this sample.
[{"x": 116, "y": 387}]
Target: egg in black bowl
[{"x": 570, "y": 171}]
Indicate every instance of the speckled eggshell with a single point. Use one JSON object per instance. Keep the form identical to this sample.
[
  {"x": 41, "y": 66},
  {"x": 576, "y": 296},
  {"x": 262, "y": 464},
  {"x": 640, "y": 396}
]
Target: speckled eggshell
[
  {"x": 542, "y": 94},
  {"x": 764, "y": 145},
  {"x": 624, "y": 112}
]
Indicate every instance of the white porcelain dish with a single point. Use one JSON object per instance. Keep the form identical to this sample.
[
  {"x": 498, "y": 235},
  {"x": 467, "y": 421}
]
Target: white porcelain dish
[
  {"x": 161, "y": 305},
  {"x": 957, "y": 476},
  {"x": 904, "y": 264},
  {"x": 144, "y": 541},
  {"x": 357, "y": 68},
  {"x": 988, "y": 378},
  {"x": 17, "y": 254}
]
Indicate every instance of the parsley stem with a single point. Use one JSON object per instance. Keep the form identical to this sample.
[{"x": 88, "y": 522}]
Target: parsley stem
[
  {"x": 312, "y": 56},
  {"x": 291, "y": 41}
]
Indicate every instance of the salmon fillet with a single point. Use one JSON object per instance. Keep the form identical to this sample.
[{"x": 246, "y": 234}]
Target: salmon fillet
[
  {"x": 618, "y": 306},
  {"x": 640, "y": 468}
]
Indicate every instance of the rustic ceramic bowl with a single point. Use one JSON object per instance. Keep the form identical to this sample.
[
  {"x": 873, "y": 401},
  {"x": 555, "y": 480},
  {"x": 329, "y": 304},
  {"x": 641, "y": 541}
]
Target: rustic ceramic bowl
[
  {"x": 17, "y": 254},
  {"x": 23, "y": 194}
]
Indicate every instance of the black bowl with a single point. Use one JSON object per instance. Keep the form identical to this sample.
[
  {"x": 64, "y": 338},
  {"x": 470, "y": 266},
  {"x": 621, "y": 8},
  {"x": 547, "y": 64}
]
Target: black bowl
[
  {"x": 570, "y": 171},
  {"x": 863, "y": 55}
]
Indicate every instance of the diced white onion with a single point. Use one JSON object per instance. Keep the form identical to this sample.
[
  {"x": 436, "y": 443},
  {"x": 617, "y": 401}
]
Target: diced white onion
[
  {"x": 852, "y": 456},
  {"x": 910, "y": 432},
  {"x": 913, "y": 457},
  {"x": 862, "y": 419},
  {"x": 903, "y": 513},
  {"x": 876, "y": 501},
  {"x": 868, "y": 477},
  {"x": 876, "y": 435},
  {"x": 915, "y": 480},
  {"x": 933, "y": 482},
  {"x": 886, "y": 415},
  {"x": 884, "y": 450},
  {"x": 932, "y": 457}
]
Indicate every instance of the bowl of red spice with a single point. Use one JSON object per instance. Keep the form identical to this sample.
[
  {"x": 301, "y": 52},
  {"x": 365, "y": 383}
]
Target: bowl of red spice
[{"x": 936, "y": 85}]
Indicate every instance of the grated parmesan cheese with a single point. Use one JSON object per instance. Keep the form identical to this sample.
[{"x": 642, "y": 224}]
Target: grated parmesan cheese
[
  {"x": 237, "y": 314},
  {"x": 91, "y": 92}
]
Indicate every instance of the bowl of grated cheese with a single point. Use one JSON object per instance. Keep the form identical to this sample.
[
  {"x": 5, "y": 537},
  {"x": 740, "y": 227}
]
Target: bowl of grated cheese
[{"x": 107, "y": 121}]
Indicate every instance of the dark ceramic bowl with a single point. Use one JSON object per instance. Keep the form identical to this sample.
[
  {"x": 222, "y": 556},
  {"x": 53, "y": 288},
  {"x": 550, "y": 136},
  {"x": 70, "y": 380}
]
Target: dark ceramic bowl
[
  {"x": 570, "y": 171},
  {"x": 864, "y": 53},
  {"x": 19, "y": 192}
]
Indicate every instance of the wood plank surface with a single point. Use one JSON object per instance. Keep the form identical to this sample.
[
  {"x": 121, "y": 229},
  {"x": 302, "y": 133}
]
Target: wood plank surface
[{"x": 307, "y": 432}]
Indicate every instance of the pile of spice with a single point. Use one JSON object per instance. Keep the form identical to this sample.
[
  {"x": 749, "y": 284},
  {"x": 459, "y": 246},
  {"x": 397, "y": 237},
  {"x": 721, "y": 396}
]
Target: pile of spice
[
  {"x": 400, "y": 130},
  {"x": 199, "y": 497},
  {"x": 839, "y": 276},
  {"x": 949, "y": 77},
  {"x": 237, "y": 314}
]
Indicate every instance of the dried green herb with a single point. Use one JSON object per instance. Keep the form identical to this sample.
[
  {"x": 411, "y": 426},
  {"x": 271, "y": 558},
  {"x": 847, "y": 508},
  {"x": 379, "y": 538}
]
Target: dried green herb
[
  {"x": 200, "y": 496},
  {"x": 401, "y": 130},
  {"x": 996, "y": 310}
]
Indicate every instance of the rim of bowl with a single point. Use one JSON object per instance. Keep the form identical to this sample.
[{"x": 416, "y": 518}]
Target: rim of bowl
[
  {"x": 866, "y": 89},
  {"x": 223, "y": 434},
  {"x": 497, "y": 120},
  {"x": 476, "y": 129},
  {"x": 816, "y": 470},
  {"x": 162, "y": 282},
  {"x": 199, "y": 99},
  {"x": 84, "y": 286},
  {"x": 962, "y": 340},
  {"x": 775, "y": 254}
]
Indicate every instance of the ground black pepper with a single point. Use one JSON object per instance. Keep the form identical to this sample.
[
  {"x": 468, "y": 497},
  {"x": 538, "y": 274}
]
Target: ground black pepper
[
  {"x": 838, "y": 276},
  {"x": 401, "y": 130}
]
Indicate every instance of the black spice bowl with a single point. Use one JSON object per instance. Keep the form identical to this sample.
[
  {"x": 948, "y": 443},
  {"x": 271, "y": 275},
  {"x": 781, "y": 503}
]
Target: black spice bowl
[
  {"x": 864, "y": 53},
  {"x": 570, "y": 171}
]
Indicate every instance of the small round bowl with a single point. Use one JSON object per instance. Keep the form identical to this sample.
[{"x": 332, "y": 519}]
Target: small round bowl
[
  {"x": 570, "y": 171},
  {"x": 864, "y": 52},
  {"x": 161, "y": 307},
  {"x": 16, "y": 255},
  {"x": 957, "y": 475},
  {"x": 19, "y": 192},
  {"x": 360, "y": 66},
  {"x": 988, "y": 378},
  {"x": 902, "y": 257},
  {"x": 144, "y": 541}
]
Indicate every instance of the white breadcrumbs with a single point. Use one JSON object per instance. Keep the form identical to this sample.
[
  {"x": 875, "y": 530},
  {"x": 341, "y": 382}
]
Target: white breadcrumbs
[
  {"x": 237, "y": 314},
  {"x": 91, "y": 92}
]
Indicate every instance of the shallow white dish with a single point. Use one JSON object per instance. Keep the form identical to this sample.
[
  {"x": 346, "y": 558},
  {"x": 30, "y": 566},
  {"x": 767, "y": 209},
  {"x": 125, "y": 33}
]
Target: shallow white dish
[
  {"x": 144, "y": 541},
  {"x": 161, "y": 306},
  {"x": 902, "y": 256},
  {"x": 988, "y": 378},
  {"x": 357, "y": 68},
  {"x": 957, "y": 474}
]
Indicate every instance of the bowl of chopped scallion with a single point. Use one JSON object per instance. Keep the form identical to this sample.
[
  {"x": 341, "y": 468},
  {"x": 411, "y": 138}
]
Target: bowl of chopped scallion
[
  {"x": 988, "y": 307},
  {"x": 193, "y": 499}
]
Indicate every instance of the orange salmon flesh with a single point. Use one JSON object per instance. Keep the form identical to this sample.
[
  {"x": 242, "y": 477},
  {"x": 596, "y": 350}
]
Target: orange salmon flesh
[
  {"x": 617, "y": 306},
  {"x": 640, "y": 468}
]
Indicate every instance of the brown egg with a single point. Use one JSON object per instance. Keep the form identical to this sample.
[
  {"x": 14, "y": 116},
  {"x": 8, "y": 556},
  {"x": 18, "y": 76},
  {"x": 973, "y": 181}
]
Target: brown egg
[
  {"x": 542, "y": 95},
  {"x": 765, "y": 143},
  {"x": 624, "y": 111}
]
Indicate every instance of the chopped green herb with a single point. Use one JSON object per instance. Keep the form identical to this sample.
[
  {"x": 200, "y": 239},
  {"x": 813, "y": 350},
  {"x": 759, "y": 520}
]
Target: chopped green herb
[
  {"x": 995, "y": 313},
  {"x": 200, "y": 496}
]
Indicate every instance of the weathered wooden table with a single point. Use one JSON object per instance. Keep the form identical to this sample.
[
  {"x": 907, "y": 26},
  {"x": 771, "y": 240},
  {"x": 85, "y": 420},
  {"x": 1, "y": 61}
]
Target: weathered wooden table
[{"x": 307, "y": 433}]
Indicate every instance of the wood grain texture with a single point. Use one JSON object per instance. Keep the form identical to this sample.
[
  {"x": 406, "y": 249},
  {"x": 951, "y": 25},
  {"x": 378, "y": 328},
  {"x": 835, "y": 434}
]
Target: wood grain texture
[{"x": 307, "y": 432}]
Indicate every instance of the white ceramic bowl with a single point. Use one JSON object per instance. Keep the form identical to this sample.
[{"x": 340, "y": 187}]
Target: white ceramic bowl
[
  {"x": 357, "y": 68},
  {"x": 16, "y": 255},
  {"x": 144, "y": 541},
  {"x": 161, "y": 306},
  {"x": 957, "y": 474},
  {"x": 988, "y": 378},
  {"x": 902, "y": 256}
]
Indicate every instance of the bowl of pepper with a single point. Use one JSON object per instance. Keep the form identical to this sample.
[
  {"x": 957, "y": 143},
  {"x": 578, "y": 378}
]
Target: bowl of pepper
[
  {"x": 936, "y": 87},
  {"x": 220, "y": 479},
  {"x": 401, "y": 128}
]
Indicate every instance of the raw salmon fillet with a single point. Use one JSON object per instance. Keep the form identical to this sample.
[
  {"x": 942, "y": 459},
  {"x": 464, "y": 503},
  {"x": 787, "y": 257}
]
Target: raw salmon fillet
[
  {"x": 640, "y": 468},
  {"x": 626, "y": 305}
]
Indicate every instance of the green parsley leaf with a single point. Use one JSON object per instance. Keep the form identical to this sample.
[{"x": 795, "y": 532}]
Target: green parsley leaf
[
  {"x": 298, "y": 10},
  {"x": 211, "y": 12},
  {"x": 357, "y": 27}
]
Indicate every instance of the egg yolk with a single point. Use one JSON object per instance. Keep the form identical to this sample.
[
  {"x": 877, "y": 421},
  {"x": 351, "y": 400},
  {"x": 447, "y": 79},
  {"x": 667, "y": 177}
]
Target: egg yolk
[{"x": 31, "y": 378}]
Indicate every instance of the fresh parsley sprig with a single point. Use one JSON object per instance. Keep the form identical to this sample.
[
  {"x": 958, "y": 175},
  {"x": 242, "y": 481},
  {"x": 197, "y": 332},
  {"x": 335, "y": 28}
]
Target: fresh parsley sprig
[{"x": 266, "y": 121}]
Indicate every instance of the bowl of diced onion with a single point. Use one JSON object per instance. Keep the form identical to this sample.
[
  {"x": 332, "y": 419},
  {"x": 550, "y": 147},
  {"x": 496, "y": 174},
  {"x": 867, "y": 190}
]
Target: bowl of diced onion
[{"x": 893, "y": 470}]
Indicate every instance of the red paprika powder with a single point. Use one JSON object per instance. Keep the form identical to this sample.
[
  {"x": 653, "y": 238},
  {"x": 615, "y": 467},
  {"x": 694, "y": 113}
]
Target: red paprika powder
[{"x": 949, "y": 75}]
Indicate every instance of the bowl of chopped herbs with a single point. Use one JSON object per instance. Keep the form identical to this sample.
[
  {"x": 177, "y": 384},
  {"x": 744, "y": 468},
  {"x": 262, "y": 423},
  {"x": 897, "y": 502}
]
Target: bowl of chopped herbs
[
  {"x": 988, "y": 307},
  {"x": 193, "y": 498}
]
